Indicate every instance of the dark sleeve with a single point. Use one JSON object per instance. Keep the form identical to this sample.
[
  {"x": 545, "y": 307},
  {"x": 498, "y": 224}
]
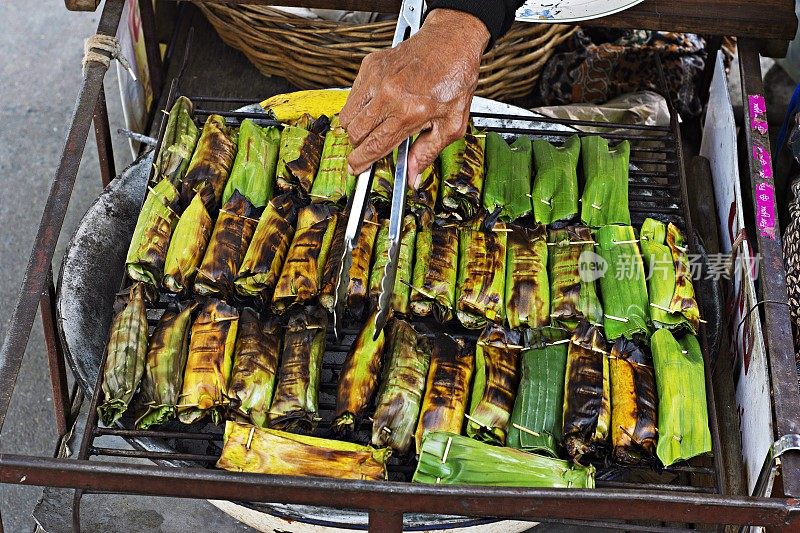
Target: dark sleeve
[{"x": 497, "y": 15}]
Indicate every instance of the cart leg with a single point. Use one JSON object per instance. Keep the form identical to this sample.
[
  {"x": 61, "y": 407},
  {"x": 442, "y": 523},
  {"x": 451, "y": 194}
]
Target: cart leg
[
  {"x": 385, "y": 522},
  {"x": 151, "y": 47},
  {"x": 76, "y": 511},
  {"x": 55, "y": 357},
  {"x": 102, "y": 135}
]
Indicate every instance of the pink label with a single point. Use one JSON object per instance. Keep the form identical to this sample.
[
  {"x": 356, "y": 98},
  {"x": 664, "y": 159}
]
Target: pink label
[
  {"x": 758, "y": 113},
  {"x": 764, "y": 160},
  {"x": 765, "y": 209}
]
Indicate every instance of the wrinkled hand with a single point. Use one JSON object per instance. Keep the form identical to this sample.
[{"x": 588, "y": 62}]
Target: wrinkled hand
[{"x": 423, "y": 85}]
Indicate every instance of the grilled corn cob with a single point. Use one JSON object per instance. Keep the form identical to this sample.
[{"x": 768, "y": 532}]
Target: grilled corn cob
[
  {"x": 147, "y": 252},
  {"x": 605, "y": 196},
  {"x": 555, "y": 188},
  {"x": 125, "y": 357},
  {"x": 178, "y": 143},
  {"x": 358, "y": 287},
  {"x": 573, "y": 295},
  {"x": 358, "y": 381},
  {"x": 208, "y": 367},
  {"x": 451, "y": 459},
  {"x": 661, "y": 281},
  {"x": 403, "y": 383},
  {"x": 294, "y": 405},
  {"x": 496, "y": 379},
  {"x": 401, "y": 296},
  {"x": 211, "y": 162},
  {"x": 683, "y": 300},
  {"x": 383, "y": 182},
  {"x": 333, "y": 265},
  {"x": 435, "y": 268},
  {"x": 187, "y": 246},
  {"x": 633, "y": 402},
  {"x": 255, "y": 365},
  {"x": 300, "y": 152},
  {"x": 333, "y": 182},
  {"x": 462, "y": 176},
  {"x": 508, "y": 177},
  {"x": 481, "y": 274},
  {"x": 447, "y": 388},
  {"x": 166, "y": 358},
  {"x": 247, "y": 448},
  {"x": 253, "y": 171},
  {"x": 587, "y": 402},
  {"x": 527, "y": 291}
]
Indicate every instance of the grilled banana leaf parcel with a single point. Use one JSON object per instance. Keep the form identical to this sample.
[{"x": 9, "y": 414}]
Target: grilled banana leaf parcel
[
  {"x": 633, "y": 402},
  {"x": 447, "y": 388},
  {"x": 301, "y": 276},
  {"x": 450, "y": 459},
  {"x": 253, "y": 172},
  {"x": 527, "y": 291},
  {"x": 683, "y": 300},
  {"x": 508, "y": 177},
  {"x": 424, "y": 195},
  {"x": 383, "y": 182},
  {"x": 255, "y": 365},
  {"x": 187, "y": 246},
  {"x": 166, "y": 358},
  {"x": 358, "y": 287},
  {"x": 358, "y": 381},
  {"x": 247, "y": 448},
  {"x": 208, "y": 367},
  {"x": 587, "y": 395},
  {"x": 268, "y": 248},
  {"x": 403, "y": 382},
  {"x": 294, "y": 406},
  {"x": 333, "y": 181},
  {"x": 435, "y": 268},
  {"x": 481, "y": 274},
  {"x": 211, "y": 163},
  {"x": 555, "y": 188},
  {"x": 126, "y": 353},
  {"x": 657, "y": 258},
  {"x": 177, "y": 146},
  {"x": 226, "y": 249},
  {"x": 605, "y": 195},
  {"x": 624, "y": 285},
  {"x": 496, "y": 379},
  {"x": 462, "y": 176},
  {"x": 401, "y": 296},
  {"x": 333, "y": 265},
  {"x": 573, "y": 269},
  {"x": 147, "y": 252},
  {"x": 300, "y": 152},
  {"x": 682, "y": 409}
]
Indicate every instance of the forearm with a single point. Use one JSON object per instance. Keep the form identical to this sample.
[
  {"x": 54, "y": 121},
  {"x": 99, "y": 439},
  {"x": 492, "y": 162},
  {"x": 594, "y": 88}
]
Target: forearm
[{"x": 496, "y": 15}]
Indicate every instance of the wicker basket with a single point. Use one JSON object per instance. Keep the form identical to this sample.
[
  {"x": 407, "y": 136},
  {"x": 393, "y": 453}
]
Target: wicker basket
[{"x": 318, "y": 53}]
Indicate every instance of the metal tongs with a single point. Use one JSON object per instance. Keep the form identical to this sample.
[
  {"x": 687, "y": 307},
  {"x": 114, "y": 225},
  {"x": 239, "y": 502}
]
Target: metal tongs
[{"x": 408, "y": 22}]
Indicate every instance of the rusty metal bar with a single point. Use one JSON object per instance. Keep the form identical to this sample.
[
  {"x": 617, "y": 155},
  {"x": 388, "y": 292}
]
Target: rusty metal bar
[
  {"x": 151, "y": 47},
  {"x": 55, "y": 357},
  {"x": 102, "y": 135}
]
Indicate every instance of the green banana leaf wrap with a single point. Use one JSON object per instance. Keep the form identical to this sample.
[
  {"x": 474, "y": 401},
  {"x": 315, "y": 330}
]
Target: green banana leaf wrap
[
  {"x": 573, "y": 268},
  {"x": 605, "y": 195},
  {"x": 147, "y": 252},
  {"x": 683, "y": 300},
  {"x": 383, "y": 182},
  {"x": 424, "y": 195},
  {"x": 255, "y": 365},
  {"x": 496, "y": 379},
  {"x": 166, "y": 359},
  {"x": 462, "y": 176},
  {"x": 358, "y": 286},
  {"x": 211, "y": 163},
  {"x": 555, "y": 187},
  {"x": 527, "y": 291},
  {"x": 177, "y": 146},
  {"x": 294, "y": 406},
  {"x": 480, "y": 289},
  {"x": 508, "y": 177},
  {"x": 587, "y": 394},
  {"x": 402, "y": 385},
  {"x": 300, "y": 153},
  {"x": 401, "y": 295},
  {"x": 450, "y": 459},
  {"x": 682, "y": 409},
  {"x": 229, "y": 241},
  {"x": 187, "y": 246},
  {"x": 126, "y": 353},
  {"x": 333, "y": 182},
  {"x": 333, "y": 265},
  {"x": 435, "y": 268},
  {"x": 623, "y": 285},
  {"x": 253, "y": 172}
]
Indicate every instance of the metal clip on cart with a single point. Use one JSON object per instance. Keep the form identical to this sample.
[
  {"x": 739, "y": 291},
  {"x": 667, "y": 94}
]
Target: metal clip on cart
[{"x": 762, "y": 28}]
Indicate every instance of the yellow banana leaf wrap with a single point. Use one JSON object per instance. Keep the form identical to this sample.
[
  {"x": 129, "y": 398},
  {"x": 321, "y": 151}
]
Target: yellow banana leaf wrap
[
  {"x": 683, "y": 301},
  {"x": 605, "y": 195},
  {"x": 435, "y": 268},
  {"x": 187, "y": 246},
  {"x": 555, "y": 187},
  {"x": 211, "y": 163},
  {"x": 333, "y": 182},
  {"x": 147, "y": 252},
  {"x": 480, "y": 290},
  {"x": 401, "y": 296},
  {"x": 358, "y": 286},
  {"x": 177, "y": 146},
  {"x": 508, "y": 177},
  {"x": 253, "y": 171},
  {"x": 292, "y": 106},
  {"x": 462, "y": 176},
  {"x": 527, "y": 291},
  {"x": 300, "y": 153},
  {"x": 573, "y": 269}
]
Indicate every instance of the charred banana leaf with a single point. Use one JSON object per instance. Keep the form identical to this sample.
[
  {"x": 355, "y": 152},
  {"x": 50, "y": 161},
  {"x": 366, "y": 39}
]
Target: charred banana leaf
[
  {"x": 255, "y": 364},
  {"x": 447, "y": 388},
  {"x": 187, "y": 246},
  {"x": 300, "y": 152},
  {"x": 358, "y": 381},
  {"x": 253, "y": 172},
  {"x": 462, "y": 176},
  {"x": 166, "y": 359},
  {"x": 301, "y": 276},
  {"x": 208, "y": 367},
  {"x": 424, "y": 195},
  {"x": 400, "y": 396},
  {"x": 211, "y": 163},
  {"x": 147, "y": 252},
  {"x": 435, "y": 268},
  {"x": 358, "y": 287},
  {"x": 605, "y": 196},
  {"x": 633, "y": 402},
  {"x": 508, "y": 177},
  {"x": 496, "y": 378},
  {"x": 573, "y": 269},
  {"x": 481, "y": 274},
  {"x": 401, "y": 296},
  {"x": 247, "y": 448},
  {"x": 683, "y": 300},
  {"x": 262, "y": 263},
  {"x": 555, "y": 188},
  {"x": 333, "y": 265},
  {"x": 383, "y": 182},
  {"x": 657, "y": 258},
  {"x": 226, "y": 249},
  {"x": 125, "y": 357},
  {"x": 527, "y": 298},
  {"x": 333, "y": 182},
  {"x": 587, "y": 402},
  {"x": 178, "y": 143}
]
